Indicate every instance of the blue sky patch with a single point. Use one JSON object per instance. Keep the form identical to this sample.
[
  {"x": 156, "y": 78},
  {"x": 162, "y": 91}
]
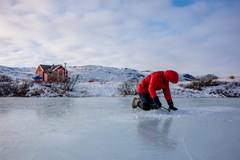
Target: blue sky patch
[{"x": 182, "y": 3}]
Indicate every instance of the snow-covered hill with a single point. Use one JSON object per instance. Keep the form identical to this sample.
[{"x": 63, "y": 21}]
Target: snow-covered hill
[
  {"x": 17, "y": 73},
  {"x": 105, "y": 81},
  {"x": 104, "y": 74},
  {"x": 101, "y": 81}
]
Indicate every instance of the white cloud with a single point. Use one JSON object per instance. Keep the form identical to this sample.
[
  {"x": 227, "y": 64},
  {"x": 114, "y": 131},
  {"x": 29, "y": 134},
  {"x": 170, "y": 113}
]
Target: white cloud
[{"x": 138, "y": 34}]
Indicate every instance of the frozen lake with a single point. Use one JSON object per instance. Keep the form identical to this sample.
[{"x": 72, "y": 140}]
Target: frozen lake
[{"x": 108, "y": 129}]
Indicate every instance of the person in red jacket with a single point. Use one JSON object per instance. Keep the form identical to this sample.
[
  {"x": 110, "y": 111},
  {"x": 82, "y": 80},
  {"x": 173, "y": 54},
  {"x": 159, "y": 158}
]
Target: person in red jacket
[{"x": 149, "y": 85}]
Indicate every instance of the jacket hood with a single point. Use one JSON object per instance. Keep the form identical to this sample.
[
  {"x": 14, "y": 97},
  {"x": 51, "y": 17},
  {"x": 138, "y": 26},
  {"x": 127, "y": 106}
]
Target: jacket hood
[{"x": 171, "y": 76}]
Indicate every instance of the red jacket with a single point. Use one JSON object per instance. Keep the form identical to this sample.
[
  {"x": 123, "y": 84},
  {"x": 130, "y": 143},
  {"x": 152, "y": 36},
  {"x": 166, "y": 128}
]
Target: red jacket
[{"x": 153, "y": 82}]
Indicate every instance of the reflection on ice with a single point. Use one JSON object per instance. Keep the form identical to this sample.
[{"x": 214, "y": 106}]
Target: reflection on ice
[{"x": 155, "y": 133}]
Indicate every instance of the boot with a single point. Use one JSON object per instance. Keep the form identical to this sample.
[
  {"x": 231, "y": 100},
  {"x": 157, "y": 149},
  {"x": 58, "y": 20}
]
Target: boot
[
  {"x": 173, "y": 108},
  {"x": 135, "y": 102}
]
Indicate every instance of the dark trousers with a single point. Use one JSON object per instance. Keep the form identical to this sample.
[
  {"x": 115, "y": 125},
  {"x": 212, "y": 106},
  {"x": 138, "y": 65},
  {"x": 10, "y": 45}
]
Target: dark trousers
[{"x": 146, "y": 101}]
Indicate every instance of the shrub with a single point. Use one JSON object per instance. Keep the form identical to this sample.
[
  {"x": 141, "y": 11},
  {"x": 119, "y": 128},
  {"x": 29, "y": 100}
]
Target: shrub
[
  {"x": 231, "y": 77},
  {"x": 129, "y": 87},
  {"x": 70, "y": 83},
  {"x": 5, "y": 78},
  {"x": 35, "y": 92},
  {"x": 22, "y": 88},
  {"x": 10, "y": 87},
  {"x": 229, "y": 89},
  {"x": 6, "y": 86},
  {"x": 7, "y": 89},
  {"x": 196, "y": 85},
  {"x": 204, "y": 81},
  {"x": 67, "y": 85}
]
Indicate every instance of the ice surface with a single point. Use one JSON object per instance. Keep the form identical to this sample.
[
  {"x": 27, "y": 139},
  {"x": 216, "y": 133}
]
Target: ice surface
[{"x": 107, "y": 128}]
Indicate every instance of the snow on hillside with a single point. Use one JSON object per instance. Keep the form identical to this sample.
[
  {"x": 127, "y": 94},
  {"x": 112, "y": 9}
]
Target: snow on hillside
[
  {"x": 17, "y": 73},
  {"x": 104, "y": 74},
  {"x": 105, "y": 81}
]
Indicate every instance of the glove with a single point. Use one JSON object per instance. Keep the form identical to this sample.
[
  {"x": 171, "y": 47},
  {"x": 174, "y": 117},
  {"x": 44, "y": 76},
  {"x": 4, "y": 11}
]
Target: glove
[
  {"x": 156, "y": 103},
  {"x": 171, "y": 105}
]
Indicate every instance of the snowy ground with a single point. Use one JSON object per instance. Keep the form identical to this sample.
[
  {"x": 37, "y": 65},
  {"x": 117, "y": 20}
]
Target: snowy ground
[
  {"x": 106, "y": 82},
  {"x": 100, "y": 128}
]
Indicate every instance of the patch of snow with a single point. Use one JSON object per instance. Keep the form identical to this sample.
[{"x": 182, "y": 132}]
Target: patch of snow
[{"x": 95, "y": 89}]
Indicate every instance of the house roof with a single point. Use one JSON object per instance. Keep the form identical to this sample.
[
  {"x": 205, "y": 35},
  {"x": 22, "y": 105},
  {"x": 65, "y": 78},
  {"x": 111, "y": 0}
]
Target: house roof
[{"x": 49, "y": 68}]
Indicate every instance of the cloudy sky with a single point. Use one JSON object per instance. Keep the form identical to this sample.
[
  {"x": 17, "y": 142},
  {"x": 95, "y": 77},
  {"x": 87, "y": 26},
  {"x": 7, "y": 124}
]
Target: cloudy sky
[{"x": 189, "y": 36}]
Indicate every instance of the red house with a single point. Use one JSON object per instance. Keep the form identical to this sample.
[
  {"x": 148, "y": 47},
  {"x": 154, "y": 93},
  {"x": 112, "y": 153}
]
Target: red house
[{"x": 52, "y": 73}]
